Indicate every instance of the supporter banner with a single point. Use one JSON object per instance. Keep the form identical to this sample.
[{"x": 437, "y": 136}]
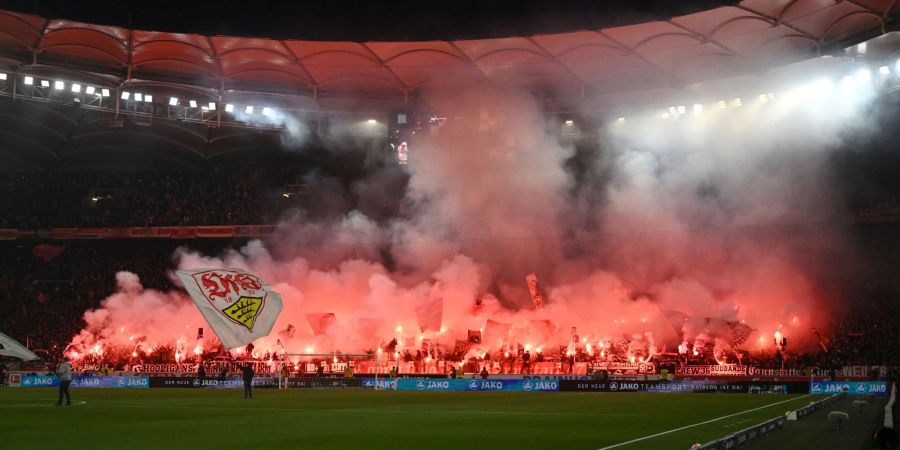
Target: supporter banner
[
  {"x": 213, "y": 383},
  {"x": 186, "y": 232},
  {"x": 137, "y": 382},
  {"x": 212, "y": 367},
  {"x": 877, "y": 388},
  {"x": 625, "y": 368},
  {"x": 726, "y": 369},
  {"x": 684, "y": 386},
  {"x": 496, "y": 385}
]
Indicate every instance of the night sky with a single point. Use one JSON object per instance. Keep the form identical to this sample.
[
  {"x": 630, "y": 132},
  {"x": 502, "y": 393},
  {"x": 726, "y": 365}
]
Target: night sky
[{"x": 364, "y": 20}]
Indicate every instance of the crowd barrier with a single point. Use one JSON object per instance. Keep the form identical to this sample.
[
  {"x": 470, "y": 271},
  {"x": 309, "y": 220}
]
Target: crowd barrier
[
  {"x": 137, "y": 382},
  {"x": 494, "y": 385},
  {"x": 876, "y": 388},
  {"x": 686, "y": 386}
]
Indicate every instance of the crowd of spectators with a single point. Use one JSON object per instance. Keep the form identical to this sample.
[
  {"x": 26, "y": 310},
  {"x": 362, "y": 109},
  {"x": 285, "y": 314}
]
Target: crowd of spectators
[
  {"x": 142, "y": 199},
  {"x": 45, "y": 287}
]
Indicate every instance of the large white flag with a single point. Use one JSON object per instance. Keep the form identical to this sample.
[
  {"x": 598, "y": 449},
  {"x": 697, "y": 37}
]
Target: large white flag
[{"x": 239, "y": 306}]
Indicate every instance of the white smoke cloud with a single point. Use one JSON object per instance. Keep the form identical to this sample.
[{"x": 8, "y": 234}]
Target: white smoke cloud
[{"x": 723, "y": 214}]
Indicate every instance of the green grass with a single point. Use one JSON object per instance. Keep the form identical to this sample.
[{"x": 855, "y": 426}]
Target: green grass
[{"x": 355, "y": 419}]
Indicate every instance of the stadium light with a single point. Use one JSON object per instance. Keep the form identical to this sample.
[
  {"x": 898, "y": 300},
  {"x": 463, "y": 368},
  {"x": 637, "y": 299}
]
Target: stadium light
[
  {"x": 673, "y": 110},
  {"x": 138, "y": 97},
  {"x": 76, "y": 88},
  {"x": 173, "y": 101},
  {"x": 884, "y": 70},
  {"x": 248, "y": 109},
  {"x": 105, "y": 92},
  {"x": 125, "y": 95},
  {"x": 45, "y": 83},
  {"x": 682, "y": 109},
  {"x": 193, "y": 103},
  {"x": 29, "y": 81},
  {"x": 737, "y": 102},
  {"x": 698, "y": 108},
  {"x": 2, "y": 76},
  {"x": 569, "y": 123},
  {"x": 266, "y": 111},
  {"x": 722, "y": 104},
  {"x": 620, "y": 119},
  {"x": 148, "y": 98},
  {"x": 90, "y": 90},
  {"x": 229, "y": 107},
  {"x": 59, "y": 85},
  {"x": 864, "y": 75},
  {"x": 212, "y": 106}
]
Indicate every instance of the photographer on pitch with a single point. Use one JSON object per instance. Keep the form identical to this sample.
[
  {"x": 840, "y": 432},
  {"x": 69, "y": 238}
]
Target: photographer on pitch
[
  {"x": 64, "y": 372},
  {"x": 247, "y": 372}
]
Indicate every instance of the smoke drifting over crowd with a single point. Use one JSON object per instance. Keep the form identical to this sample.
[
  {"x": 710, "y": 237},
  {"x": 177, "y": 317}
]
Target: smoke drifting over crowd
[{"x": 710, "y": 227}]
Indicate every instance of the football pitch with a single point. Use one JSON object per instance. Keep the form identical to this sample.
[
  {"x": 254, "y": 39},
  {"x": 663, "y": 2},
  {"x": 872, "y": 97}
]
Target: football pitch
[{"x": 362, "y": 419}]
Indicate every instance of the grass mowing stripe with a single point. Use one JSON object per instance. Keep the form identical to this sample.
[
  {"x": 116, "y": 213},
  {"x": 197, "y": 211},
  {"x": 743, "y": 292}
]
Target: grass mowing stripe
[{"x": 675, "y": 430}]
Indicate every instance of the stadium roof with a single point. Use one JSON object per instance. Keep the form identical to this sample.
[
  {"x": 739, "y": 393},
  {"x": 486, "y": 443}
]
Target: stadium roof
[
  {"x": 719, "y": 42},
  {"x": 336, "y": 77}
]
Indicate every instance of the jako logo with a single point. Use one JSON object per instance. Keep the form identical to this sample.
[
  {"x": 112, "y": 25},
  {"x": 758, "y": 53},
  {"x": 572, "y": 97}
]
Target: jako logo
[
  {"x": 526, "y": 386},
  {"x": 438, "y": 384},
  {"x": 420, "y": 384},
  {"x": 817, "y": 388},
  {"x": 614, "y": 386},
  {"x": 860, "y": 389},
  {"x": 473, "y": 385}
]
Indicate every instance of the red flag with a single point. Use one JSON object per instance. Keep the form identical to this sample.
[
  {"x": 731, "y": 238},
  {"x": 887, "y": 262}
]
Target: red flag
[
  {"x": 47, "y": 252},
  {"x": 496, "y": 332},
  {"x": 320, "y": 322},
  {"x": 430, "y": 313},
  {"x": 474, "y": 336},
  {"x": 534, "y": 288}
]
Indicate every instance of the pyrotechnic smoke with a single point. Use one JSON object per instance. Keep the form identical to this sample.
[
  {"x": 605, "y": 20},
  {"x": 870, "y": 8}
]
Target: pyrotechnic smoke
[{"x": 681, "y": 232}]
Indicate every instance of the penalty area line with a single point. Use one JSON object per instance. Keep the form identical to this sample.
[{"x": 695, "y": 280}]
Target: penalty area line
[{"x": 675, "y": 430}]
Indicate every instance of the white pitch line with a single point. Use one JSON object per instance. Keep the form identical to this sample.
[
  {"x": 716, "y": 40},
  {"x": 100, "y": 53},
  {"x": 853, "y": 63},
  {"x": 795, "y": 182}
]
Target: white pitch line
[
  {"x": 31, "y": 405},
  {"x": 700, "y": 423},
  {"x": 376, "y": 411}
]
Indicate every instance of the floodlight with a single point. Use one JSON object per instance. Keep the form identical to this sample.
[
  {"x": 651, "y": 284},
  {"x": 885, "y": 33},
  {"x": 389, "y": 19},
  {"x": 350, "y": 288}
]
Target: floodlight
[
  {"x": 76, "y": 88},
  {"x": 673, "y": 110},
  {"x": 193, "y": 103},
  {"x": 59, "y": 85},
  {"x": 722, "y": 104},
  {"x": 105, "y": 92},
  {"x": 29, "y": 81},
  {"x": 125, "y": 95},
  {"x": 884, "y": 70},
  {"x": 173, "y": 101},
  {"x": 45, "y": 83},
  {"x": 148, "y": 98},
  {"x": 620, "y": 119},
  {"x": 229, "y": 107},
  {"x": 2, "y": 76},
  {"x": 371, "y": 121},
  {"x": 90, "y": 90},
  {"x": 864, "y": 75},
  {"x": 212, "y": 106},
  {"x": 682, "y": 109},
  {"x": 266, "y": 111},
  {"x": 898, "y": 66},
  {"x": 698, "y": 108},
  {"x": 569, "y": 123},
  {"x": 248, "y": 109},
  {"x": 138, "y": 97},
  {"x": 737, "y": 102}
]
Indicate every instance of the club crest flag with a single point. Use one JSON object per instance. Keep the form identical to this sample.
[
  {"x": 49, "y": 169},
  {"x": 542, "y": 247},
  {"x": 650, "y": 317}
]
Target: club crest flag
[{"x": 239, "y": 306}]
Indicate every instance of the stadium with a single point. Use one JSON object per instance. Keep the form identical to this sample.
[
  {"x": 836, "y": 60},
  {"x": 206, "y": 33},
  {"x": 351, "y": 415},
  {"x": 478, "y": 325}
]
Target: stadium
[{"x": 511, "y": 224}]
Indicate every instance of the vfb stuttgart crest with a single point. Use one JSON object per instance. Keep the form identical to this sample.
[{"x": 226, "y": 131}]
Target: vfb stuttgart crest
[{"x": 239, "y": 296}]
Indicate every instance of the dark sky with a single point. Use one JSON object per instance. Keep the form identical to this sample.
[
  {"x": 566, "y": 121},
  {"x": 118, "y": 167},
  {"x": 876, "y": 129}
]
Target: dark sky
[{"x": 363, "y": 20}]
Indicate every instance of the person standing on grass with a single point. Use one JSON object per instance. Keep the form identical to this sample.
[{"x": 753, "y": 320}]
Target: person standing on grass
[
  {"x": 64, "y": 371},
  {"x": 248, "y": 380}
]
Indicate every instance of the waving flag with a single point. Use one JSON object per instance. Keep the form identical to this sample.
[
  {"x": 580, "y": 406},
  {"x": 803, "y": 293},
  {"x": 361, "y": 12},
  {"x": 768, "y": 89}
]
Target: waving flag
[
  {"x": 239, "y": 306},
  {"x": 534, "y": 288}
]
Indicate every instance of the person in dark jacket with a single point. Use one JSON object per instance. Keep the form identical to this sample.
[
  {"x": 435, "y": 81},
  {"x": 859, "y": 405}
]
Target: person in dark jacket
[
  {"x": 248, "y": 380},
  {"x": 484, "y": 373}
]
